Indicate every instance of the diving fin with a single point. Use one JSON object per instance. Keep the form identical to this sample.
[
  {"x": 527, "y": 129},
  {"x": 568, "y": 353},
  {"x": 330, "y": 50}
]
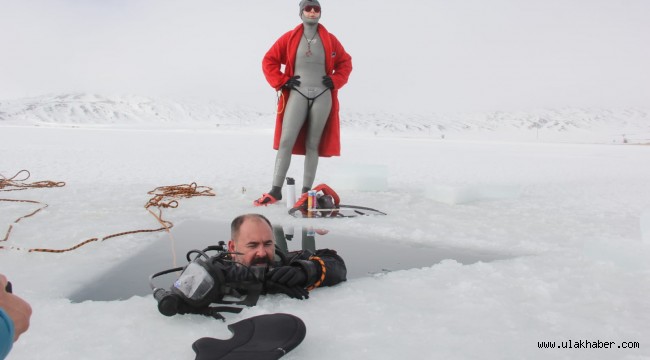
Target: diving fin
[{"x": 263, "y": 337}]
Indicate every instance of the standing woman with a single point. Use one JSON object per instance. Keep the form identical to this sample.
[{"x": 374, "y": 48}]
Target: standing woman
[{"x": 315, "y": 67}]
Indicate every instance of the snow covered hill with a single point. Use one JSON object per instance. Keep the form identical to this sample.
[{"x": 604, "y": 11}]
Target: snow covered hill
[
  {"x": 549, "y": 125},
  {"x": 93, "y": 109}
]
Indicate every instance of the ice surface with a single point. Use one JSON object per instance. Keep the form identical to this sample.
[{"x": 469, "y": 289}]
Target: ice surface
[
  {"x": 645, "y": 226},
  {"x": 360, "y": 177},
  {"x": 462, "y": 194},
  {"x": 584, "y": 273},
  {"x": 629, "y": 255}
]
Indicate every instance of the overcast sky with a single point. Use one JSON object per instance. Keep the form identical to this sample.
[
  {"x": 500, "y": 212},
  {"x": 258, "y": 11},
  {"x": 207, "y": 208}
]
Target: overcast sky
[{"x": 408, "y": 55}]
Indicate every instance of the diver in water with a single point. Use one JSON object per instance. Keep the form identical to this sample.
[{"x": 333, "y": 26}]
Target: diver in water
[
  {"x": 315, "y": 66},
  {"x": 248, "y": 268},
  {"x": 252, "y": 243},
  {"x": 209, "y": 285}
]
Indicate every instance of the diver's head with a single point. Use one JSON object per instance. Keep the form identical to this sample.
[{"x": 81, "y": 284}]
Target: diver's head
[
  {"x": 251, "y": 235},
  {"x": 310, "y": 11}
]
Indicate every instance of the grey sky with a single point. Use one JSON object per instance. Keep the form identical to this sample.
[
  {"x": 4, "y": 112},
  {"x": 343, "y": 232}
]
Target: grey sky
[{"x": 411, "y": 55}]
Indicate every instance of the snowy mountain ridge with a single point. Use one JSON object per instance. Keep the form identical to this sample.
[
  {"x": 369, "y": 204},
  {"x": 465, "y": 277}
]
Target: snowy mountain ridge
[
  {"x": 116, "y": 110},
  {"x": 575, "y": 124}
]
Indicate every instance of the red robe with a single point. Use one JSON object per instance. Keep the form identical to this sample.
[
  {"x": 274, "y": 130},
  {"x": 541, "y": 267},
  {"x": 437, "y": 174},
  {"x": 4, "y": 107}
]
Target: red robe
[{"x": 338, "y": 65}]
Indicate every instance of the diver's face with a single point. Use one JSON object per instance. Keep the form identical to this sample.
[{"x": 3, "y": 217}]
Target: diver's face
[{"x": 255, "y": 242}]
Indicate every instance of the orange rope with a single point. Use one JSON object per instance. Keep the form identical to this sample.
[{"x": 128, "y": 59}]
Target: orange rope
[
  {"x": 322, "y": 273},
  {"x": 11, "y": 226},
  {"x": 163, "y": 197},
  {"x": 16, "y": 184}
]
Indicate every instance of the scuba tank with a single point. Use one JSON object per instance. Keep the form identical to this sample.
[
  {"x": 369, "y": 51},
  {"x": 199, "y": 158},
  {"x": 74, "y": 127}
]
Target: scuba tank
[{"x": 210, "y": 279}]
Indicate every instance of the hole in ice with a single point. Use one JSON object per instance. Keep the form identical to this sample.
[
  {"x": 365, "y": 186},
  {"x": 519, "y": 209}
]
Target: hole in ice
[{"x": 131, "y": 277}]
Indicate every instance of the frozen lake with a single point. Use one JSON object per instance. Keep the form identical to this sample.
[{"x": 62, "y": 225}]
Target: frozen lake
[{"x": 566, "y": 220}]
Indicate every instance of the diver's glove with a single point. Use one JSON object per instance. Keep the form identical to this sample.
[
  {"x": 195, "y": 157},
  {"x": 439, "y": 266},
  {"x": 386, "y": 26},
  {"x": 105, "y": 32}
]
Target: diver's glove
[
  {"x": 292, "y": 83},
  {"x": 289, "y": 280},
  {"x": 327, "y": 81},
  {"x": 288, "y": 275},
  {"x": 296, "y": 292}
]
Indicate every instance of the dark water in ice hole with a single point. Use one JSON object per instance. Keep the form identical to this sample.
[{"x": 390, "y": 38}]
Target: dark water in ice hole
[{"x": 363, "y": 256}]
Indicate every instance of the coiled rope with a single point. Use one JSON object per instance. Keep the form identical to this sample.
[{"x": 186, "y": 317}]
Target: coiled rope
[
  {"x": 15, "y": 184},
  {"x": 163, "y": 197}
]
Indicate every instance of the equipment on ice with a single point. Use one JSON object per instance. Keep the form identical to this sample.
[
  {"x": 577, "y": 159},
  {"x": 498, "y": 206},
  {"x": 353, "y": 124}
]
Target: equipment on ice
[{"x": 327, "y": 204}]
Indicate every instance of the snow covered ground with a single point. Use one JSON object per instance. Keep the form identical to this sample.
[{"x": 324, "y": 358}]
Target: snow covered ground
[{"x": 564, "y": 202}]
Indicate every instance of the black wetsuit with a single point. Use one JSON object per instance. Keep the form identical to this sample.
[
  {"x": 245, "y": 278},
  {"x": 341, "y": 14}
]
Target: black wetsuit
[{"x": 336, "y": 272}]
